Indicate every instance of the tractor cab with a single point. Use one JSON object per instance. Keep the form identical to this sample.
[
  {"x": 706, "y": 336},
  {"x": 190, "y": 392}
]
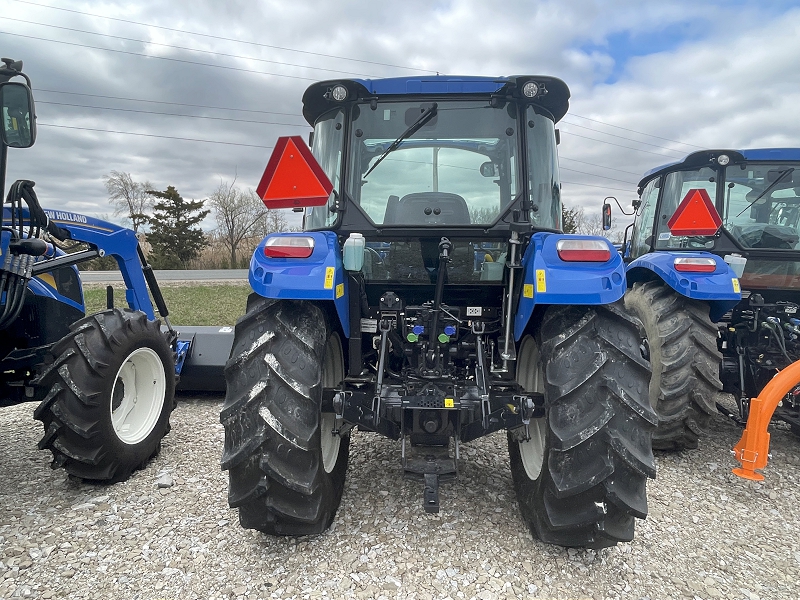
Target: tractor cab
[
  {"x": 754, "y": 194},
  {"x": 466, "y": 157}
]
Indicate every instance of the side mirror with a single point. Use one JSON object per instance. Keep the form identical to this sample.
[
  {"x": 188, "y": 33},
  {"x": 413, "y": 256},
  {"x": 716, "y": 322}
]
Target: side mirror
[
  {"x": 489, "y": 169},
  {"x": 18, "y": 116},
  {"x": 606, "y": 216}
]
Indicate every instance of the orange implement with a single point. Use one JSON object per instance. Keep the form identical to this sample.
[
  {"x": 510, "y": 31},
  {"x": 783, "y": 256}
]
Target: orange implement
[{"x": 753, "y": 449}]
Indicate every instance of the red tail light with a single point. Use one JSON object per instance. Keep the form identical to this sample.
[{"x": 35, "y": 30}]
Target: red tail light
[
  {"x": 289, "y": 247},
  {"x": 583, "y": 250},
  {"x": 695, "y": 265}
]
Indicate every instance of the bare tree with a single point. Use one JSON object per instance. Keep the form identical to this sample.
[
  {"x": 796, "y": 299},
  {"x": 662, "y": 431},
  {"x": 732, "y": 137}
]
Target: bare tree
[
  {"x": 275, "y": 221},
  {"x": 129, "y": 198},
  {"x": 239, "y": 215},
  {"x": 577, "y": 221}
]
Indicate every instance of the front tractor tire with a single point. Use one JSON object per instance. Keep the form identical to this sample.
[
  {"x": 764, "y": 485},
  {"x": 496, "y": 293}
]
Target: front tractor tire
[
  {"x": 109, "y": 395},
  {"x": 580, "y": 476},
  {"x": 286, "y": 465},
  {"x": 683, "y": 353}
]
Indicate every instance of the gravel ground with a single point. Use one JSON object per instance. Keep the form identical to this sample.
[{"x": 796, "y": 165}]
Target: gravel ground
[{"x": 709, "y": 534}]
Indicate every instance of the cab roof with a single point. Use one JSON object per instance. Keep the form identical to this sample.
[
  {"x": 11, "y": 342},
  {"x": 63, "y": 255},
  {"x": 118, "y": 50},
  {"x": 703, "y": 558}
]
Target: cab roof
[
  {"x": 708, "y": 157},
  {"x": 317, "y": 98}
]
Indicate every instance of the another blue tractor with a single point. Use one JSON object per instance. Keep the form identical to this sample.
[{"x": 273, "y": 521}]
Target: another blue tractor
[
  {"x": 105, "y": 382},
  {"x": 432, "y": 298},
  {"x": 714, "y": 269}
]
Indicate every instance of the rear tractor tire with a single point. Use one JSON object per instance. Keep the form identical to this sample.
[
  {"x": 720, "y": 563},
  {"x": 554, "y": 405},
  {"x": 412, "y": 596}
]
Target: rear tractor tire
[
  {"x": 580, "y": 478},
  {"x": 683, "y": 353},
  {"x": 286, "y": 465},
  {"x": 109, "y": 395}
]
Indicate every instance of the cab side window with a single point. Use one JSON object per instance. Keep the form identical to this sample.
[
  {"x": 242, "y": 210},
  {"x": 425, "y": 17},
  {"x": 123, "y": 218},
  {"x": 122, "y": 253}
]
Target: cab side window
[{"x": 642, "y": 236}]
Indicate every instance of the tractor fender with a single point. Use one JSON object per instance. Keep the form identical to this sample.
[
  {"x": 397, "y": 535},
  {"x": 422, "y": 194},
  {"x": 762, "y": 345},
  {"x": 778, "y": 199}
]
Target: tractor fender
[
  {"x": 719, "y": 288},
  {"x": 321, "y": 276},
  {"x": 546, "y": 279},
  {"x": 44, "y": 285}
]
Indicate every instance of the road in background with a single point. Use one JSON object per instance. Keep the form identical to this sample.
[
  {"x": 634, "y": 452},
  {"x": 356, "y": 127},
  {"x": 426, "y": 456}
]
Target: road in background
[{"x": 177, "y": 275}]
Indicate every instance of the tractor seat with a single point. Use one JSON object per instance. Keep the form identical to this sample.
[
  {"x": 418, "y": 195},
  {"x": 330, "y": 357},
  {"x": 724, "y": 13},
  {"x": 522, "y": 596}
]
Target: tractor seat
[{"x": 431, "y": 208}]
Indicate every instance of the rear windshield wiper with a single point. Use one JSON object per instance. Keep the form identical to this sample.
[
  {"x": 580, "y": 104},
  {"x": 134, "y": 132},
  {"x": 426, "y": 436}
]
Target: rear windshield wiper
[
  {"x": 769, "y": 187},
  {"x": 413, "y": 128}
]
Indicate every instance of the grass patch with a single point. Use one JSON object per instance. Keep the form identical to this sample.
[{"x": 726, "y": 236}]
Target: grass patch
[{"x": 219, "y": 304}]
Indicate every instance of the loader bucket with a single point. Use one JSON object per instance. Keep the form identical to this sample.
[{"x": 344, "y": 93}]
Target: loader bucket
[{"x": 752, "y": 450}]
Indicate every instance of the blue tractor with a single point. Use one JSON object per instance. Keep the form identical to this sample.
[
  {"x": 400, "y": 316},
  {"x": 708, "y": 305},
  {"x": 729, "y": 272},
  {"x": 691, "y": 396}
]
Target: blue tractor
[
  {"x": 432, "y": 298},
  {"x": 713, "y": 264},
  {"x": 105, "y": 382}
]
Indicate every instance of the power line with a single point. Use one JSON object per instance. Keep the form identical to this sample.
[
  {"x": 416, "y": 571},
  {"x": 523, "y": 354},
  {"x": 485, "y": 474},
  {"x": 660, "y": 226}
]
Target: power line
[
  {"x": 583, "y": 162},
  {"x": 189, "y": 62},
  {"x": 150, "y": 112},
  {"x": 602, "y": 187},
  {"x": 266, "y": 112},
  {"x": 166, "y": 137},
  {"x": 618, "y": 145},
  {"x": 127, "y": 39},
  {"x": 639, "y": 132},
  {"x": 622, "y": 137},
  {"x": 216, "y": 37},
  {"x": 593, "y": 175}
]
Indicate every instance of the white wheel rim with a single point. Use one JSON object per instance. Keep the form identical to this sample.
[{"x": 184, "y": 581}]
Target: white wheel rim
[
  {"x": 137, "y": 396},
  {"x": 330, "y": 442},
  {"x": 332, "y": 373},
  {"x": 532, "y": 451}
]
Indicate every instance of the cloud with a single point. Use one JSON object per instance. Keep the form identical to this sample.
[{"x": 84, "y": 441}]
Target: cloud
[{"x": 684, "y": 74}]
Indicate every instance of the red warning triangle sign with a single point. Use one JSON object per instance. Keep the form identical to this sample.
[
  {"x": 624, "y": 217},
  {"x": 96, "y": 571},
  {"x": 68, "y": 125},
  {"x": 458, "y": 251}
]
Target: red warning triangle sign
[
  {"x": 695, "y": 215},
  {"x": 293, "y": 177}
]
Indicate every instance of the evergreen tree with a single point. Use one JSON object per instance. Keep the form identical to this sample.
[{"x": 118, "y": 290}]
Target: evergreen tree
[
  {"x": 571, "y": 219},
  {"x": 174, "y": 234}
]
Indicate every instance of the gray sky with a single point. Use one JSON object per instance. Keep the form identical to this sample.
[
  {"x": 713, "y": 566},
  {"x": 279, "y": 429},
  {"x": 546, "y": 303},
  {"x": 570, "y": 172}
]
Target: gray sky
[{"x": 650, "y": 81}]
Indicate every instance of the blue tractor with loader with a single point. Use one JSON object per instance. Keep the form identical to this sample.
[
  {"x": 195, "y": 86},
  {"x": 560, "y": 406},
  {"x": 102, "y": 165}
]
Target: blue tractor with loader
[
  {"x": 713, "y": 266},
  {"x": 105, "y": 382},
  {"x": 432, "y": 298}
]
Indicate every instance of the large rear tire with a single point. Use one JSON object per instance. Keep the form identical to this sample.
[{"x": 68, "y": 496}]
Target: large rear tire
[
  {"x": 109, "y": 395},
  {"x": 580, "y": 479},
  {"x": 286, "y": 466},
  {"x": 683, "y": 353}
]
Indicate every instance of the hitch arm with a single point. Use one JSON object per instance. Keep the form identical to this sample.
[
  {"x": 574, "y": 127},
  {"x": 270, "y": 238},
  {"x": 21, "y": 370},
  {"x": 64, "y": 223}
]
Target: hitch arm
[{"x": 752, "y": 450}]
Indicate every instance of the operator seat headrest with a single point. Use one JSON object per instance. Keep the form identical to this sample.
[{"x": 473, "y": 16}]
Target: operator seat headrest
[{"x": 432, "y": 208}]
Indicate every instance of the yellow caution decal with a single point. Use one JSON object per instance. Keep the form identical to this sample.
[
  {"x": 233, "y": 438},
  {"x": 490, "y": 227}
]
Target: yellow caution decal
[
  {"x": 541, "y": 282},
  {"x": 329, "y": 273}
]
